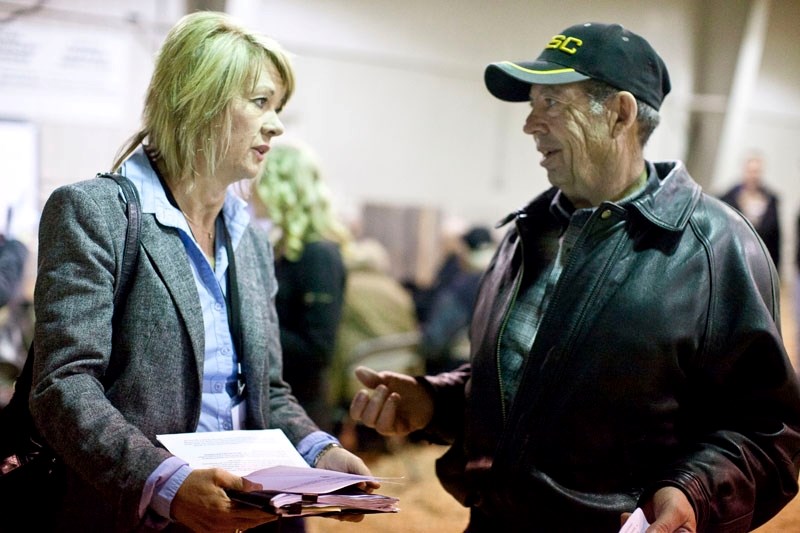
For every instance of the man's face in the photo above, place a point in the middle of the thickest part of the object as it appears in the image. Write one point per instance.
(574, 138)
(753, 168)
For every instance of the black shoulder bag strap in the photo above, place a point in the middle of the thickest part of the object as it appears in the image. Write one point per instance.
(17, 407)
(130, 253)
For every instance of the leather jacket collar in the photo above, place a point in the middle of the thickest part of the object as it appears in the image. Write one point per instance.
(669, 206)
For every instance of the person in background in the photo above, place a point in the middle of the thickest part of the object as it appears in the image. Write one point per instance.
(625, 346)
(197, 347)
(758, 204)
(452, 300)
(309, 241)
(13, 255)
(797, 290)
(376, 306)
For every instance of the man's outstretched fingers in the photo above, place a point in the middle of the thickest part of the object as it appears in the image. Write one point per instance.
(387, 419)
(368, 377)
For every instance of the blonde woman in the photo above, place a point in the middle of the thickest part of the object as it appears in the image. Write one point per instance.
(180, 361)
(309, 241)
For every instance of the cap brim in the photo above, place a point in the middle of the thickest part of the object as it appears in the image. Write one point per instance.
(512, 81)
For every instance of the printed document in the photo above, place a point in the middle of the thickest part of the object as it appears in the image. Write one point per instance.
(239, 452)
(288, 486)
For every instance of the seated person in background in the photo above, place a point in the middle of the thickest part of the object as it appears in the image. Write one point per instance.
(376, 305)
(443, 342)
(13, 254)
(12, 261)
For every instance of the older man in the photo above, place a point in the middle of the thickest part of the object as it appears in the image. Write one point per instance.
(625, 342)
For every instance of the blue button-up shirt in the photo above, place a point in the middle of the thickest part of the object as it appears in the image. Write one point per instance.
(220, 399)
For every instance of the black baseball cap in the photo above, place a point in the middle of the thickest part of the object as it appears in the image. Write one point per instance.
(605, 52)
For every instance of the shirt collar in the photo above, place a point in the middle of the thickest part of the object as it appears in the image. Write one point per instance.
(562, 208)
(154, 200)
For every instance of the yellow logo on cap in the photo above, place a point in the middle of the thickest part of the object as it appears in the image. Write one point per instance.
(563, 43)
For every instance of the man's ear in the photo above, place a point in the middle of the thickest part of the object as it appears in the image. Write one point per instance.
(627, 109)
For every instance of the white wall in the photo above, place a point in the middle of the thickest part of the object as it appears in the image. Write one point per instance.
(391, 94)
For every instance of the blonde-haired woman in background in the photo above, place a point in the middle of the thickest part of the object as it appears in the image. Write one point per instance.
(197, 346)
(309, 242)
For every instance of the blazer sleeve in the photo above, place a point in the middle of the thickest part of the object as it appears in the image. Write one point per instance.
(80, 250)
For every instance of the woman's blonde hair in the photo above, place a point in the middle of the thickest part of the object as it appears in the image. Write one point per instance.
(206, 60)
(297, 201)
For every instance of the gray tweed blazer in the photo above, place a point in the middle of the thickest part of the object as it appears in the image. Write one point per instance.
(99, 397)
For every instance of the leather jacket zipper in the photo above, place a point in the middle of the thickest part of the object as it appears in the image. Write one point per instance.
(554, 374)
(506, 317)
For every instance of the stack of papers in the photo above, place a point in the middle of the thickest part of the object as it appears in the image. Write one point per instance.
(289, 490)
(286, 484)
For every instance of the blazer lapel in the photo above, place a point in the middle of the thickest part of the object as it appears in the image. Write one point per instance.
(161, 244)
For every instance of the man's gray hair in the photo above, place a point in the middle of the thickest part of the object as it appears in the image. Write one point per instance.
(647, 117)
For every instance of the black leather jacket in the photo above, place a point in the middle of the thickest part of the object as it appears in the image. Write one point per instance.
(658, 362)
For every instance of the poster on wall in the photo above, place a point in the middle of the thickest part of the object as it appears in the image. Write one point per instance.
(71, 74)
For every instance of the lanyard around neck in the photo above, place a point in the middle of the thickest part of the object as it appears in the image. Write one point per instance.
(233, 302)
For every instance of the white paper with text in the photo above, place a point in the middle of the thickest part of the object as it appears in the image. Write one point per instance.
(239, 452)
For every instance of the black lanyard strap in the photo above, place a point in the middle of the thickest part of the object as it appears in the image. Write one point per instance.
(232, 287)
(233, 303)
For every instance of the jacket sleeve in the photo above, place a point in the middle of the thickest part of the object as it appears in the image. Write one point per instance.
(740, 465)
(80, 249)
(448, 392)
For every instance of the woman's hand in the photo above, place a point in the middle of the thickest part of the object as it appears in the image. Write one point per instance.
(202, 505)
(339, 459)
